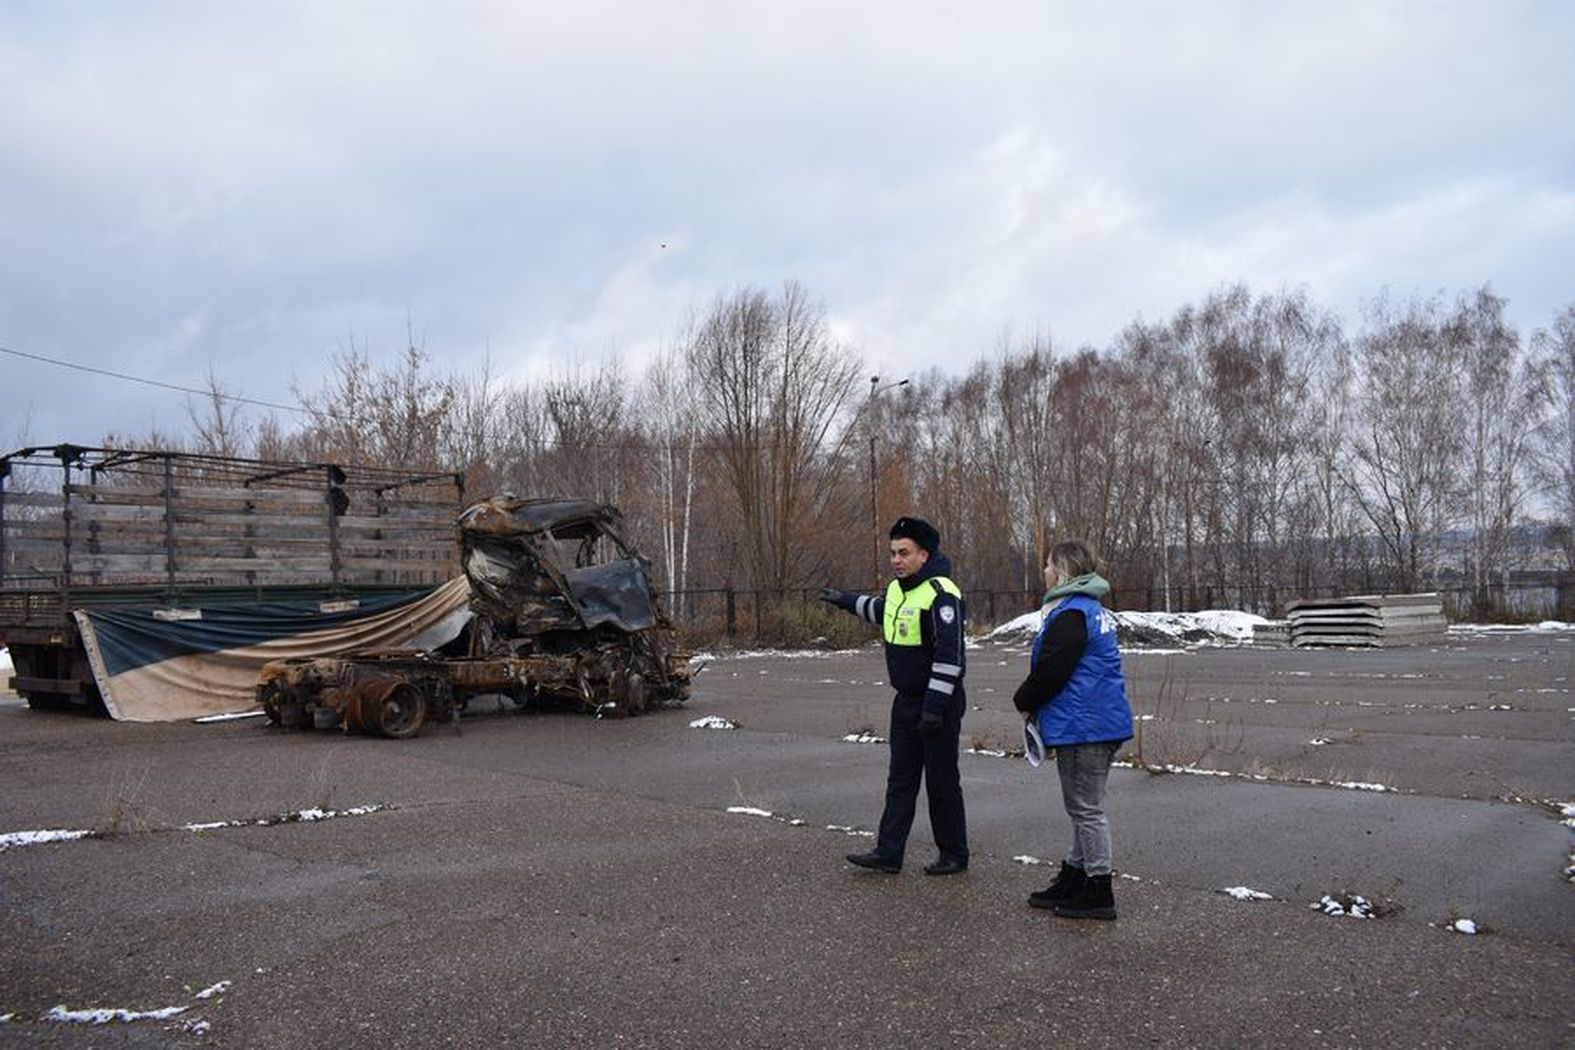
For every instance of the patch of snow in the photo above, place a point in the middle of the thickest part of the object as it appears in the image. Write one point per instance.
(1229, 622)
(230, 716)
(105, 1016)
(1319, 741)
(1244, 893)
(195, 1027)
(212, 990)
(1463, 926)
(848, 829)
(34, 838)
(1545, 627)
(1028, 623)
(783, 654)
(756, 811)
(986, 752)
(303, 816)
(864, 738)
(712, 722)
(1256, 777)
(1356, 906)
(1026, 859)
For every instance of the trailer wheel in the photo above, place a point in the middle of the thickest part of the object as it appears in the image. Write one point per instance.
(399, 711)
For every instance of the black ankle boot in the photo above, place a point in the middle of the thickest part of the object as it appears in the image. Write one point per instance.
(1067, 882)
(1093, 900)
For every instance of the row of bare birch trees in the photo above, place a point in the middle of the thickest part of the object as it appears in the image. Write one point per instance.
(1243, 452)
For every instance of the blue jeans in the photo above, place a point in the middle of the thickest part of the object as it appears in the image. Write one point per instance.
(1084, 768)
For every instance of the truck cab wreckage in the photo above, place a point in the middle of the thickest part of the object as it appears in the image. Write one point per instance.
(561, 612)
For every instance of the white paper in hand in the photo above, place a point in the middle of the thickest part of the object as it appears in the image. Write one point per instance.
(1033, 746)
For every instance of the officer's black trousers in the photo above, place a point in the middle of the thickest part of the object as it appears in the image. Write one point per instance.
(934, 759)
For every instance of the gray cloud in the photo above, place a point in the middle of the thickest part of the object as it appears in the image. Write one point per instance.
(243, 186)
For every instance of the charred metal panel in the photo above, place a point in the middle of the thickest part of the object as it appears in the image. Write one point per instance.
(617, 593)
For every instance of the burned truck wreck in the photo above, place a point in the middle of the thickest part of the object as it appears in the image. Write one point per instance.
(561, 612)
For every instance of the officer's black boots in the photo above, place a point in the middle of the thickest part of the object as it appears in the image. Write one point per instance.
(1067, 882)
(946, 866)
(875, 862)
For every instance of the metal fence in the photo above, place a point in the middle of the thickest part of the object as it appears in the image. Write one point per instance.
(793, 616)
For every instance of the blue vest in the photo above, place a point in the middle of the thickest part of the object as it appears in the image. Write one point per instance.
(1092, 707)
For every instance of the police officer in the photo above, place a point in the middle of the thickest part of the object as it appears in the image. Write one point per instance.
(921, 619)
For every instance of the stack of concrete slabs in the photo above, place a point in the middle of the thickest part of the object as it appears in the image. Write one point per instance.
(1374, 620)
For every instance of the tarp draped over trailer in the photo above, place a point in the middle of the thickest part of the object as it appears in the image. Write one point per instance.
(162, 665)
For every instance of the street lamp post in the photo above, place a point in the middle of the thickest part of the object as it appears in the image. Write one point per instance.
(869, 426)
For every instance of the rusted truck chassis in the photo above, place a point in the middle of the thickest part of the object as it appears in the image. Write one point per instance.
(562, 612)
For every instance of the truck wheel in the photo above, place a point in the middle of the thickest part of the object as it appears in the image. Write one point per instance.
(400, 711)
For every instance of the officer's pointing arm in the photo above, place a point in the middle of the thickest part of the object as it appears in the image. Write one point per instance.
(866, 607)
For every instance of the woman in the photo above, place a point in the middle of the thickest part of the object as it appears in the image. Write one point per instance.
(1076, 694)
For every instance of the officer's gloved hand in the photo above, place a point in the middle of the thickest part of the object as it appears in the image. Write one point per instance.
(832, 596)
(930, 722)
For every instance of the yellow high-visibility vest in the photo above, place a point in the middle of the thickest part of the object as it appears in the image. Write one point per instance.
(900, 625)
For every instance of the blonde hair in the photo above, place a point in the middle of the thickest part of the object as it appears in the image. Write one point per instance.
(1074, 558)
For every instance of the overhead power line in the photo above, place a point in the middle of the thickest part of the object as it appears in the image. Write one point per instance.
(150, 382)
(544, 443)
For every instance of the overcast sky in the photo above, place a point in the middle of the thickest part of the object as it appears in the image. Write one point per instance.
(245, 187)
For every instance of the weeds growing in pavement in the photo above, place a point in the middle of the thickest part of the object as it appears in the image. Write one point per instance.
(320, 785)
(125, 810)
(860, 723)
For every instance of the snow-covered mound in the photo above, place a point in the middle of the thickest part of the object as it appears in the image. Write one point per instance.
(1157, 629)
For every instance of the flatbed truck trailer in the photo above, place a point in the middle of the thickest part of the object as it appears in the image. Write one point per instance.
(100, 528)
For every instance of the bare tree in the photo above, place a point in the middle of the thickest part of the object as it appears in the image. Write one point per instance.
(770, 382)
(220, 431)
(1025, 392)
(471, 430)
(1502, 395)
(672, 430)
(520, 441)
(592, 437)
(1405, 452)
(1554, 464)
(396, 417)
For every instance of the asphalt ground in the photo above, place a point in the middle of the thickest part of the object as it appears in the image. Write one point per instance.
(553, 880)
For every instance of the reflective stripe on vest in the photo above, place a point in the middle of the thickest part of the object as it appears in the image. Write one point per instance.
(903, 608)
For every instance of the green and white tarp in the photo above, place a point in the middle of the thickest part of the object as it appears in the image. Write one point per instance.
(163, 665)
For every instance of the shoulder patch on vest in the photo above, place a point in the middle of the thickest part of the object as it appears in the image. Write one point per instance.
(947, 614)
